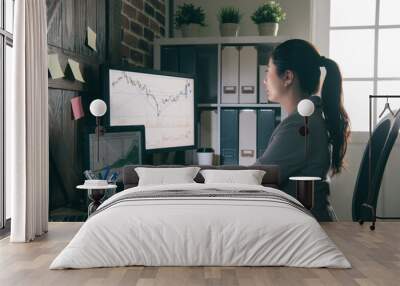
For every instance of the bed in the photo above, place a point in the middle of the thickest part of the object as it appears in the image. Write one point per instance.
(198, 224)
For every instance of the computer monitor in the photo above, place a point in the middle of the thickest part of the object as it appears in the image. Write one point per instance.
(163, 102)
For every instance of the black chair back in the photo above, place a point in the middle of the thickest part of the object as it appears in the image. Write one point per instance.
(382, 162)
(360, 195)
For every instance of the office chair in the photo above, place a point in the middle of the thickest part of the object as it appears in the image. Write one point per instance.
(360, 195)
(372, 199)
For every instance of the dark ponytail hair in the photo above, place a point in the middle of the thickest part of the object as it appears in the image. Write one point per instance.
(303, 59)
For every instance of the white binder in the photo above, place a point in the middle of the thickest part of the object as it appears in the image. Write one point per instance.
(230, 74)
(262, 93)
(247, 137)
(248, 75)
(209, 129)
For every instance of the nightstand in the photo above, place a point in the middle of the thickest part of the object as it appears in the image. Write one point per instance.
(96, 195)
(305, 190)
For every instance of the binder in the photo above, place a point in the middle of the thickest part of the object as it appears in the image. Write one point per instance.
(230, 75)
(209, 129)
(207, 73)
(265, 127)
(170, 59)
(262, 93)
(248, 75)
(229, 136)
(247, 136)
(187, 62)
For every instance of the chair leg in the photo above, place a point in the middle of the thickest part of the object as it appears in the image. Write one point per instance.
(372, 226)
(373, 212)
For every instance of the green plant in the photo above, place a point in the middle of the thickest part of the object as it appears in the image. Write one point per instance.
(189, 14)
(229, 15)
(270, 12)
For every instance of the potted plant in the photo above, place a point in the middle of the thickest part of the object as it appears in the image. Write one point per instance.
(267, 17)
(189, 19)
(205, 156)
(229, 18)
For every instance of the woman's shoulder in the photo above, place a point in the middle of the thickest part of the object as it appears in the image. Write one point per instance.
(295, 119)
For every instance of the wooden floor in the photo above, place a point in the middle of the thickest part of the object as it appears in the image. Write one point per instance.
(375, 257)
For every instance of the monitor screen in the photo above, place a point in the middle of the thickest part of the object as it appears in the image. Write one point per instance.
(162, 102)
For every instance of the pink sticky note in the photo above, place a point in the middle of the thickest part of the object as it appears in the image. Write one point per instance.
(77, 108)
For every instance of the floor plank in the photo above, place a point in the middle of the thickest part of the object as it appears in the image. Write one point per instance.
(375, 257)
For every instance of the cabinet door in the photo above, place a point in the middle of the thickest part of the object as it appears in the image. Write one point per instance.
(170, 59)
(207, 73)
(187, 59)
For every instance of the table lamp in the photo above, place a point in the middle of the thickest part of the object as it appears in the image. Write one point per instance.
(305, 184)
(98, 108)
(306, 109)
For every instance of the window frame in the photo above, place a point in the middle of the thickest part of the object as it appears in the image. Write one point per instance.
(6, 39)
(375, 78)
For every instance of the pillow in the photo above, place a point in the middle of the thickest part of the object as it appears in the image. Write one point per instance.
(163, 176)
(249, 177)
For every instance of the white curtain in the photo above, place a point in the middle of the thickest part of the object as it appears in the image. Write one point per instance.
(27, 124)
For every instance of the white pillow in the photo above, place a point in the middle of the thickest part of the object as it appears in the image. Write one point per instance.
(249, 177)
(164, 176)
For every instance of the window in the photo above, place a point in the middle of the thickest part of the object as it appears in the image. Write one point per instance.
(366, 47)
(8, 72)
(6, 65)
(9, 15)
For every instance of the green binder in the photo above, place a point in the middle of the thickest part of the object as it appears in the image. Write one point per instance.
(229, 136)
(265, 127)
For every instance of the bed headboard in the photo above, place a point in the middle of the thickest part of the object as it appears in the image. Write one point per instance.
(271, 178)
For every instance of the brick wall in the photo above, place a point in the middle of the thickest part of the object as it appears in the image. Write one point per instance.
(142, 21)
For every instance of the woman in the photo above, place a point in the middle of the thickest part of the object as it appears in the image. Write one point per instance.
(293, 74)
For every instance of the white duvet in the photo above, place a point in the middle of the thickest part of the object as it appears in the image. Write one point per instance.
(200, 231)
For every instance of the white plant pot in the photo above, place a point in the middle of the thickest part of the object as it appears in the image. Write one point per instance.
(229, 29)
(191, 30)
(205, 156)
(268, 29)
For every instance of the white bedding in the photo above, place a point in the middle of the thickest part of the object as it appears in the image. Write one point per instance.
(200, 231)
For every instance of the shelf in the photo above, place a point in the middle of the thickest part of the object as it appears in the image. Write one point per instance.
(207, 105)
(240, 105)
(247, 40)
(210, 109)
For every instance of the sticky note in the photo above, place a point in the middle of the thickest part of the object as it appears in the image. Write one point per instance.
(54, 66)
(76, 70)
(77, 108)
(91, 38)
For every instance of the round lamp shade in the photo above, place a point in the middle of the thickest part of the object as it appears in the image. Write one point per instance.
(98, 107)
(305, 107)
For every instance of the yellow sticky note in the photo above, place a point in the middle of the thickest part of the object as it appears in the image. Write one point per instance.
(76, 70)
(54, 66)
(91, 38)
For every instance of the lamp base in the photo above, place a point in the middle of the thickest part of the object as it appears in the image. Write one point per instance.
(305, 193)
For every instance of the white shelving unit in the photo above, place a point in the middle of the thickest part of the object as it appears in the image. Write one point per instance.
(219, 42)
